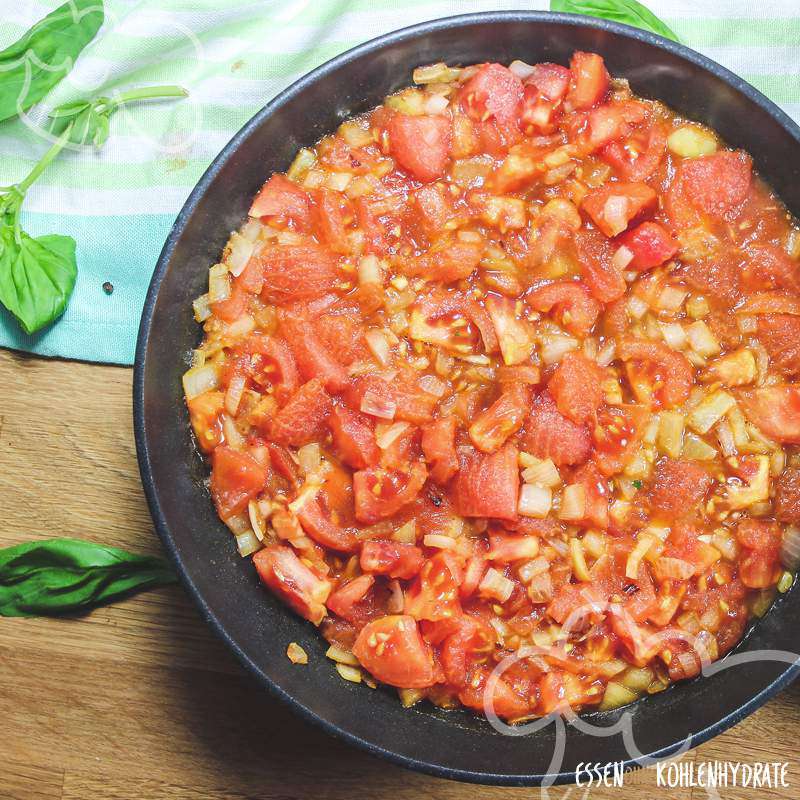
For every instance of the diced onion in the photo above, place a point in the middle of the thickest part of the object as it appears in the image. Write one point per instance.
(697, 307)
(616, 695)
(379, 346)
(247, 543)
(643, 544)
(530, 569)
(386, 436)
(430, 384)
(202, 311)
(701, 339)
(296, 654)
(436, 104)
(233, 395)
(241, 326)
(496, 586)
(369, 271)
(256, 520)
(554, 348)
(606, 353)
(407, 534)
(233, 438)
(352, 674)
(435, 73)
(674, 335)
(338, 181)
(726, 440)
(709, 411)
(697, 449)
(200, 379)
(615, 213)
(670, 433)
(439, 541)
(341, 656)
(219, 283)
(668, 568)
(579, 567)
(691, 141)
(309, 457)
(304, 159)
(240, 251)
(534, 501)
(671, 298)
(573, 503)
(377, 406)
(637, 307)
(790, 548)
(521, 69)
(621, 258)
(542, 472)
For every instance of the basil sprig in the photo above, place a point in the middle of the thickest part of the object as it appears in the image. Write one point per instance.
(35, 63)
(628, 11)
(56, 576)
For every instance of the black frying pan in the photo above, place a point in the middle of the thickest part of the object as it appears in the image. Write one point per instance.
(452, 744)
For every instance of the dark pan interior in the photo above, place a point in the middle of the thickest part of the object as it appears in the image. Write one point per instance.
(450, 744)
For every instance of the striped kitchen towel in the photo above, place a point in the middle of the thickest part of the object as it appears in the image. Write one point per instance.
(234, 56)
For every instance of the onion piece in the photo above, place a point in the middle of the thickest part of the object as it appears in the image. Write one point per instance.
(198, 380)
(377, 406)
(240, 251)
(790, 548)
(233, 396)
(554, 348)
(534, 501)
(573, 503)
(341, 656)
(379, 346)
(201, 308)
(495, 585)
(369, 271)
(219, 283)
(439, 541)
(615, 213)
(436, 104)
(521, 69)
(309, 458)
(247, 543)
(621, 258)
(430, 384)
(396, 602)
(386, 436)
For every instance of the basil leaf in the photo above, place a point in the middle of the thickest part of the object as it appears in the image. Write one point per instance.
(628, 11)
(60, 575)
(37, 276)
(35, 63)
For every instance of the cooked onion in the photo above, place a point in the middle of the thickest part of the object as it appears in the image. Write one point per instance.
(790, 548)
(573, 503)
(534, 501)
(432, 385)
(615, 213)
(239, 255)
(521, 69)
(379, 346)
(436, 104)
(247, 543)
(622, 258)
(200, 379)
(233, 396)
(496, 586)
(377, 406)
(386, 436)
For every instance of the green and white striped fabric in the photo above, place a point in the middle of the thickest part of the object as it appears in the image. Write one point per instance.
(234, 56)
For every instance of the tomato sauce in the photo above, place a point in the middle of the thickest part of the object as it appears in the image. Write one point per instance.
(508, 363)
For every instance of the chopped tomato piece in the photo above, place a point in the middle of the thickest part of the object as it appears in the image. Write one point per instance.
(233, 306)
(503, 418)
(301, 420)
(488, 484)
(393, 651)
(301, 587)
(330, 220)
(757, 534)
(345, 597)
(774, 410)
(571, 302)
(438, 447)
(319, 525)
(381, 493)
(780, 335)
(282, 462)
(613, 121)
(615, 205)
(279, 197)
(204, 414)
(638, 158)
(589, 80)
(651, 245)
(434, 204)
(515, 336)
(657, 374)
(601, 272)
(236, 478)
(433, 594)
(395, 559)
(272, 364)
(506, 700)
(410, 403)
(446, 262)
(494, 92)
(718, 182)
(353, 437)
(471, 642)
(577, 387)
(297, 272)
(551, 80)
(421, 145)
(787, 496)
(313, 359)
(769, 266)
(758, 571)
(617, 435)
(549, 434)
(679, 487)
(596, 493)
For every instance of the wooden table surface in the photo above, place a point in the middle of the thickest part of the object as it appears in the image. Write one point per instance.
(139, 699)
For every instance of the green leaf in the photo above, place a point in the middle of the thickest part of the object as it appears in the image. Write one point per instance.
(60, 575)
(35, 63)
(628, 11)
(37, 276)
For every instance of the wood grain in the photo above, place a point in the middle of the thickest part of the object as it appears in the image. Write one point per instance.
(139, 699)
